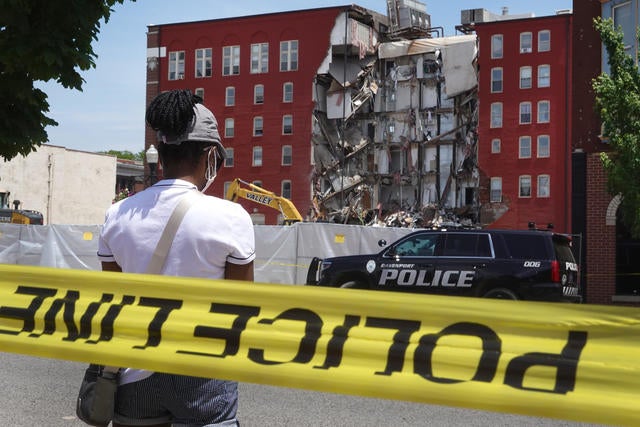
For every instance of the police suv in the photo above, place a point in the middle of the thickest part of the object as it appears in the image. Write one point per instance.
(508, 264)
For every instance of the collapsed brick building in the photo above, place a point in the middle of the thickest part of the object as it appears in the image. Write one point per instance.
(394, 130)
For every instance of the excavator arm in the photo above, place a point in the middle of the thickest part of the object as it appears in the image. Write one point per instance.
(246, 190)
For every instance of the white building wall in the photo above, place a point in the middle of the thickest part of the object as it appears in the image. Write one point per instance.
(66, 186)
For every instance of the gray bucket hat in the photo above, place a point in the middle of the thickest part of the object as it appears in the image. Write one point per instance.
(203, 128)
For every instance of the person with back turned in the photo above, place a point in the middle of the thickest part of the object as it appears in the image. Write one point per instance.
(214, 240)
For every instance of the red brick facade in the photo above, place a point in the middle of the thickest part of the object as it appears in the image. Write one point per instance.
(600, 237)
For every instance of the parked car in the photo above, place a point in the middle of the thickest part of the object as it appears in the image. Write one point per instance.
(507, 264)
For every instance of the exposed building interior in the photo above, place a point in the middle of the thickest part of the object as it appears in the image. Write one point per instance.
(395, 122)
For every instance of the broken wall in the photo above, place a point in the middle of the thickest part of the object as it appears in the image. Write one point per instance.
(398, 133)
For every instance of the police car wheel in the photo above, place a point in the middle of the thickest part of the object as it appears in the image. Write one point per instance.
(501, 293)
(352, 284)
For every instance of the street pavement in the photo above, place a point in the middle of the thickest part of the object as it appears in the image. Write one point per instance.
(40, 392)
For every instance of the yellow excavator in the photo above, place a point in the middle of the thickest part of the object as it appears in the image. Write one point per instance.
(246, 190)
(20, 216)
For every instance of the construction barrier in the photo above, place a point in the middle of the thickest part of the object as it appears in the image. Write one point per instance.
(567, 361)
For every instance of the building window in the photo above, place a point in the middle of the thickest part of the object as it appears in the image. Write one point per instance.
(230, 96)
(544, 41)
(287, 124)
(199, 92)
(544, 146)
(231, 60)
(286, 189)
(496, 80)
(287, 92)
(524, 147)
(526, 42)
(544, 186)
(623, 17)
(496, 115)
(525, 77)
(524, 186)
(257, 156)
(227, 184)
(496, 46)
(258, 94)
(496, 189)
(544, 75)
(228, 161)
(543, 112)
(495, 145)
(203, 62)
(257, 126)
(176, 65)
(257, 183)
(289, 55)
(259, 58)
(525, 113)
(287, 155)
(229, 128)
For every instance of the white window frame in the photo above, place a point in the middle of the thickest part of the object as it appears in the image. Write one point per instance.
(496, 83)
(496, 145)
(287, 155)
(199, 92)
(544, 113)
(231, 60)
(497, 46)
(258, 94)
(526, 82)
(283, 191)
(543, 149)
(287, 124)
(229, 127)
(496, 115)
(229, 96)
(524, 116)
(522, 179)
(524, 147)
(256, 156)
(229, 159)
(259, 58)
(258, 126)
(204, 63)
(289, 55)
(629, 34)
(287, 92)
(544, 43)
(526, 42)
(543, 189)
(176, 65)
(495, 191)
(544, 80)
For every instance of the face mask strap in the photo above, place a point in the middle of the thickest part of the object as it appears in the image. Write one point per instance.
(211, 173)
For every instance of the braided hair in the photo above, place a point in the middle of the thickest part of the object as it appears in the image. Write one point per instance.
(171, 113)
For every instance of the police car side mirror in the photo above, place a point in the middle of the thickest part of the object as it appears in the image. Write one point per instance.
(382, 243)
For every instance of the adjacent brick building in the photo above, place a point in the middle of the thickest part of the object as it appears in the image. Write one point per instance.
(595, 209)
(524, 154)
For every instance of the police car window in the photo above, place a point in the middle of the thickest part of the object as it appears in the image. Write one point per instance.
(420, 245)
(467, 245)
(459, 245)
(526, 246)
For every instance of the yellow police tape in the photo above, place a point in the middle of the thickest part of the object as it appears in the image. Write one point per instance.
(567, 361)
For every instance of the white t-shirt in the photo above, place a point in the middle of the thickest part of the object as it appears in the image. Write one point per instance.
(213, 232)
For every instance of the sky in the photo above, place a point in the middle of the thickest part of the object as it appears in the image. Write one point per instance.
(109, 112)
